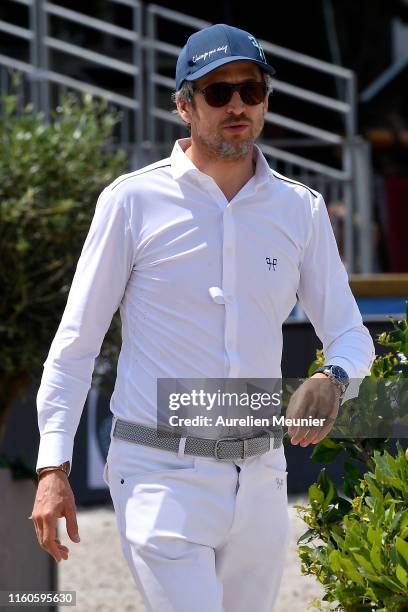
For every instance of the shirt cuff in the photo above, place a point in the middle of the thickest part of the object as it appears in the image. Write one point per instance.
(352, 370)
(55, 448)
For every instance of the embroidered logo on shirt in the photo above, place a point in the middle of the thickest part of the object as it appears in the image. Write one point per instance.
(272, 263)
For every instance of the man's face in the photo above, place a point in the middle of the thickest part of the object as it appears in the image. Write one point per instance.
(212, 128)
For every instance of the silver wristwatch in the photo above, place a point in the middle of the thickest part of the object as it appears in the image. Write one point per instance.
(337, 375)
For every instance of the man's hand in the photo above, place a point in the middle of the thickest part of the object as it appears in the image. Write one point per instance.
(54, 499)
(318, 397)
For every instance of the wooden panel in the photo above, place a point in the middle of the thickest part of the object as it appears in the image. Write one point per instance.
(379, 285)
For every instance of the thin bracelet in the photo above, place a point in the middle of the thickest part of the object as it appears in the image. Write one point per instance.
(52, 469)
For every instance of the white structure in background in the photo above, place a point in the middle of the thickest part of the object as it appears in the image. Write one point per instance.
(148, 127)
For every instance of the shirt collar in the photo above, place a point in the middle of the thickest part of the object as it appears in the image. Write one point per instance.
(181, 164)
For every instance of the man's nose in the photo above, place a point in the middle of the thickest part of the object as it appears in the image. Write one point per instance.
(235, 104)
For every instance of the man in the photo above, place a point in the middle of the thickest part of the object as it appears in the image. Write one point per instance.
(205, 253)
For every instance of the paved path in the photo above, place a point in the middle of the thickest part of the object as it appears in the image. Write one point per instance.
(97, 571)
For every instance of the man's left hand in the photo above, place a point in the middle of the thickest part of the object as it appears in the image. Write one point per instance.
(318, 397)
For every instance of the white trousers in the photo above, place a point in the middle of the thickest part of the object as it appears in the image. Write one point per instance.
(197, 533)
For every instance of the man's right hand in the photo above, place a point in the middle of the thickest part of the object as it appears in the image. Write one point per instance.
(54, 499)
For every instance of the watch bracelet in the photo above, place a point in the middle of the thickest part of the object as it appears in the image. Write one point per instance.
(334, 380)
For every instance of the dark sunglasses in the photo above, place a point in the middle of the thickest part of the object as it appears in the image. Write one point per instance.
(219, 94)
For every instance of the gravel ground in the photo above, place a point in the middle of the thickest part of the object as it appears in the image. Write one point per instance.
(97, 570)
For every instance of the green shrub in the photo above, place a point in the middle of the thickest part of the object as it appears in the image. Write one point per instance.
(51, 174)
(357, 544)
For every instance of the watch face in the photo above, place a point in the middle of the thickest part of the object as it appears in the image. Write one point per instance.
(338, 371)
(340, 374)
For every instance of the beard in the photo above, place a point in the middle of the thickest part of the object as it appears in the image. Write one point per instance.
(230, 150)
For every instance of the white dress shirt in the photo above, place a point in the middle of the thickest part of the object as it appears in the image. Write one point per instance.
(203, 286)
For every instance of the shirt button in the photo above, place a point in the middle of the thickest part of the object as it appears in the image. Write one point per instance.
(228, 250)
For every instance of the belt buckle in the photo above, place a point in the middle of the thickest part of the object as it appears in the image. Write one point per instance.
(216, 449)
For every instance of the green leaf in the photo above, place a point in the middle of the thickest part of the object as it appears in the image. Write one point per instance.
(327, 487)
(402, 549)
(335, 561)
(402, 575)
(352, 470)
(364, 563)
(307, 536)
(375, 556)
(374, 536)
(326, 451)
(351, 570)
(404, 519)
(316, 496)
(391, 584)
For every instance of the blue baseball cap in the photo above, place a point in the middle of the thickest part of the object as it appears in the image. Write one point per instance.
(215, 46)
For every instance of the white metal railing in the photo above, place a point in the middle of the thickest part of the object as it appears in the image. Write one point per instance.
(149, 127)
(46, 84)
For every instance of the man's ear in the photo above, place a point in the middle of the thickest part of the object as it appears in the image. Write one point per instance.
(184, 110)
(266, 102)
